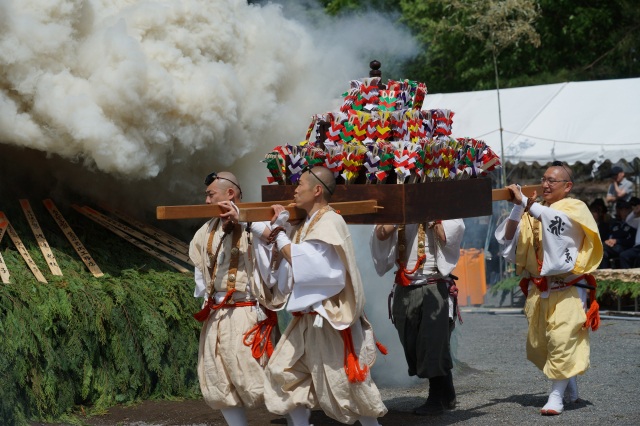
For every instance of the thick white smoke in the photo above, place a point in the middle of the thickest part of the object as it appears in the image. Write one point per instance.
(132, 103)
(133, 87)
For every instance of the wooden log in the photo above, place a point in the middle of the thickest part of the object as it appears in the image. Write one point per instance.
(259, 212)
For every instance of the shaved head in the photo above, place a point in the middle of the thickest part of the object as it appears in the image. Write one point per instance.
(222, 186)
(324, 177)
(228, 180)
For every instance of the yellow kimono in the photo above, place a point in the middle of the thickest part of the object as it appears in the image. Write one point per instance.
(568, 246)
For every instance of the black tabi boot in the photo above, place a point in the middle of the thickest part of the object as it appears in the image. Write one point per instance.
(433, 405)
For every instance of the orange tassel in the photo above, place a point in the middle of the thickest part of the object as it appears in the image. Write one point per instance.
(355, 373)
(259, 337)
(593, 316)
(382, 348)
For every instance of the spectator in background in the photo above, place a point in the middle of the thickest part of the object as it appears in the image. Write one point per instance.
(621, 235)
(620, 188)
(599, 211)
(630, 258)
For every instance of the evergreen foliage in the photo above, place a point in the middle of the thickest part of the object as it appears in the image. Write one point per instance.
(86, 343)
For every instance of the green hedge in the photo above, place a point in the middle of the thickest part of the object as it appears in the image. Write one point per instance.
(95, 343)
(83, 344)
(605, 287)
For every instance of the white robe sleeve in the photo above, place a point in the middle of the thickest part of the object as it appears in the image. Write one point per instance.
(201, 288)
(448, 253)
(561, 240)
(507, 247)
(318, 274)
(383, 252)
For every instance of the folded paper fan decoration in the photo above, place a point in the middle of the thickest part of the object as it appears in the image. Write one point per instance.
(380, 134)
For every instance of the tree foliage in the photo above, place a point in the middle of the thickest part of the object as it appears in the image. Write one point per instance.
(578, 40)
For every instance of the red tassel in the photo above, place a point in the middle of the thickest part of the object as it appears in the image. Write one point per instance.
(524, 286)
(401, 278)
(382, 348)
(204, 313)
(401, 273)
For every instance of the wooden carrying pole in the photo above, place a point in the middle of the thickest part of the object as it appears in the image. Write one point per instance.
(503, 193)
(369, 204)
(259, 212)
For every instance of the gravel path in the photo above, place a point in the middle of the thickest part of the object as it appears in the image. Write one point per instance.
(495, 383)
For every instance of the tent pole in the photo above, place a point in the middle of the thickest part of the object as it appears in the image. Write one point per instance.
(503, 170)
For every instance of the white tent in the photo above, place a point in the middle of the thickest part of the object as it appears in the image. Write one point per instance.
(571, 122)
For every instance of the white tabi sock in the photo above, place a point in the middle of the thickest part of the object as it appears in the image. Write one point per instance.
(554, 405)
(571, 393)
(299, 416)
(235, 416)
(368, 421)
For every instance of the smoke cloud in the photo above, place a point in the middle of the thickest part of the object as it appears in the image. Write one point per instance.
(131, 88)
(131, 103)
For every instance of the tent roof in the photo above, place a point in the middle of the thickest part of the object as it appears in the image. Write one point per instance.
(571, 122)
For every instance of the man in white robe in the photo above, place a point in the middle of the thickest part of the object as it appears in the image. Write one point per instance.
(424, 307)
(230, 360)
(323, 357)
(555, 246)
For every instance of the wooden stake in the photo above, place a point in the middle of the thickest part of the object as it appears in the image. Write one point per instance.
(4, 271)
(260, 212)
(98, 219)
(124, 228)
(73, 239)
(23, 250)
(156, 233)
(40, 238)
